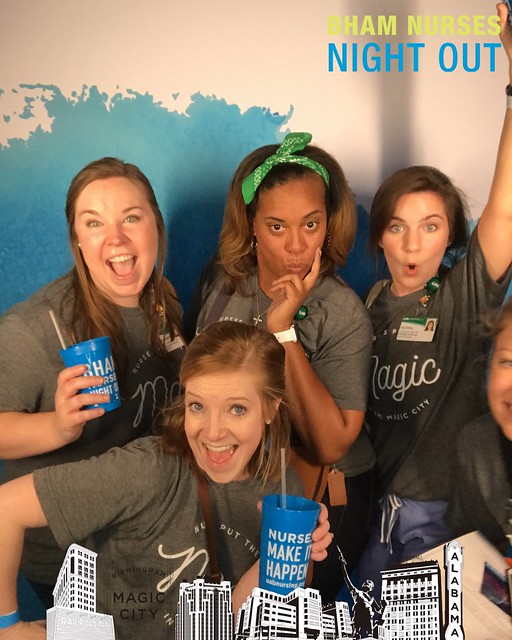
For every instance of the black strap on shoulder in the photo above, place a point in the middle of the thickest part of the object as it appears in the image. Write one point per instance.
(204, 498)
(374, 292)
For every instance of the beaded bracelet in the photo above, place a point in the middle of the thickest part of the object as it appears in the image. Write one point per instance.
(9, 619)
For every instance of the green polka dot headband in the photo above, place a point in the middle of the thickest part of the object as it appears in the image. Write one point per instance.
(292, 143)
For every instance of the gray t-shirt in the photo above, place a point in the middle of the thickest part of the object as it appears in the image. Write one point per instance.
(139, 509)
(29, 365)
(423, 393)
(336, 337)
(483, 488)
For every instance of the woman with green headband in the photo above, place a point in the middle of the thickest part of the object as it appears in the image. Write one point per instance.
(289, 222)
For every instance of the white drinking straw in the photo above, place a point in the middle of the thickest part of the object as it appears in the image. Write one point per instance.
(57, 329)
(283, 478)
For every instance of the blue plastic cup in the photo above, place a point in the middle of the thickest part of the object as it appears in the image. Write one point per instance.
(97, 355)
(286, 539)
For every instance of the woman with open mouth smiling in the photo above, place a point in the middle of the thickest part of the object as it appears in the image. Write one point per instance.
(428, 352)
(140, 507)
(117, 289)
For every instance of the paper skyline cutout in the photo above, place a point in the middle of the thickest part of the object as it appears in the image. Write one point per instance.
(410, 606)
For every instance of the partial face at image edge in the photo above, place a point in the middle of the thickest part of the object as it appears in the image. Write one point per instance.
(499, 388)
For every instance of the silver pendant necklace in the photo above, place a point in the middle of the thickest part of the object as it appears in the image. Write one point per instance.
(258, 319)
(259, 316)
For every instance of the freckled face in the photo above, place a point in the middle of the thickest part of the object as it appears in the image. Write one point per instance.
(415, 240)
(224, 423)
(290, 223)
(499, 390)
(116, 228)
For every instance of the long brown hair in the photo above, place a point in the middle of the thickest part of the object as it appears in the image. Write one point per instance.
(229, 347)
(93, 314)
(236, 234)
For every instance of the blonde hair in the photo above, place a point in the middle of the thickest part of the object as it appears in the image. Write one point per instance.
(236, 234)
(228, 347)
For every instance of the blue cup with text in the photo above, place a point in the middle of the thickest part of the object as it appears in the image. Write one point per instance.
(286, 539)
(96, 354)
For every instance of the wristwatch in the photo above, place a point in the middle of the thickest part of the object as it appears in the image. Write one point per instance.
(286, 336)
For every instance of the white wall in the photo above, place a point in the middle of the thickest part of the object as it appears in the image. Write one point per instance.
(268, 54)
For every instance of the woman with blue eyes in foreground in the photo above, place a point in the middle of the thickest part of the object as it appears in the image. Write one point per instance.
(425, 385)
(138, 506)
(116, 288)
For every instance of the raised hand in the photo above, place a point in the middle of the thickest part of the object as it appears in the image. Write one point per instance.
(506, 31)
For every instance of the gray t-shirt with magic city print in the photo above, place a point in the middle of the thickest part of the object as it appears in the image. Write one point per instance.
(139, 509)
(423, 393)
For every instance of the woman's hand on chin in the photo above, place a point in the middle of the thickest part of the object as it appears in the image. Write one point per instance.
(289, 292)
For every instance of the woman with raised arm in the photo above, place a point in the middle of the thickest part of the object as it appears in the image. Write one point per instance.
(426, 385)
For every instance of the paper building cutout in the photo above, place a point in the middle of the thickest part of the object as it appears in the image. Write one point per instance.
(204, 611)
(453, 562)
(74, 616)
(272, 615)
(414, 606)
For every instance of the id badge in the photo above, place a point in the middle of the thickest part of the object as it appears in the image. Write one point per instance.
(417, 329)
(171, 345)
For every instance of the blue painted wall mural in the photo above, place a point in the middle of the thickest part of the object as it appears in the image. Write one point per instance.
(188, 157)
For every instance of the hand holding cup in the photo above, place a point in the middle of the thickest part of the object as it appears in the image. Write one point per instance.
(322, 537)
(70, 415)
(286, 545)
(87, 388)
